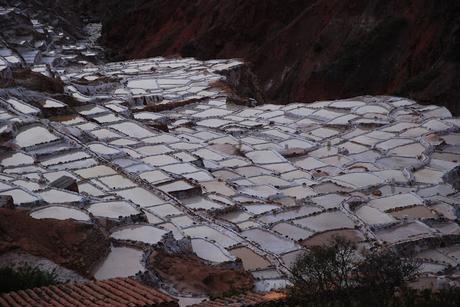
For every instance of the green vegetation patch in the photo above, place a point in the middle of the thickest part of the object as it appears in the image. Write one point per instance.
(25, 277)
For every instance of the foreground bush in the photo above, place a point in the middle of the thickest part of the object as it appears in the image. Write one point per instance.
(25, 277)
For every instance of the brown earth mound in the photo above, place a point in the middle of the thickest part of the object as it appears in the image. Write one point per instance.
(77, 246)
(34, 81)
(305, 50)
(188, 273)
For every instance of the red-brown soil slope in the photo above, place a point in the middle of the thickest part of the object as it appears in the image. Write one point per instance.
(188, 273)
(305, 49)
(74, 245)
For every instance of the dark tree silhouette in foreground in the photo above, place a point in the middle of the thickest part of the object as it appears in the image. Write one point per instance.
(337, 275)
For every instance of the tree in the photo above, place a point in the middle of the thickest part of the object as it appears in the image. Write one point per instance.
(382, 272)
(324, 269)
(336, 275)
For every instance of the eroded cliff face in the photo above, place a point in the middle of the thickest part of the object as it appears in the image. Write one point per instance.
(305, 50)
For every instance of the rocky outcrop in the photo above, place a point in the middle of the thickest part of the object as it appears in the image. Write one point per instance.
(453, 178)
(305, 50)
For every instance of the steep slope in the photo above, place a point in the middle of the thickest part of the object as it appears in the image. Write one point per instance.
(305, 50)
(74, 245)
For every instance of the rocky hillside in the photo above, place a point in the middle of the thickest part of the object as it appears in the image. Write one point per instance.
(305, 50)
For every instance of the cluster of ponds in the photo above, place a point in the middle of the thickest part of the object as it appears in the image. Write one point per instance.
(40, 45)
(155, 138)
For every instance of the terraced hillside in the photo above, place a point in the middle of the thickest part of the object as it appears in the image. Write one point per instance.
(176, 168)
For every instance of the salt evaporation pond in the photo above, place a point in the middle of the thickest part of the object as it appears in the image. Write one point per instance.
(209, 251)
(54, 196)
(16, 159)
(201, 203)
(117, 182)
(20, 197)
(326, 221)
(269, 241)
(23, 107)
(373, 216)
(142, 233)
(140, 197)
(51, 103)
(291, 231)
(34, 136)
(60, 213)
(251, 260)
(121, 262)
(113, 209)
(207, 232)
(146, 84)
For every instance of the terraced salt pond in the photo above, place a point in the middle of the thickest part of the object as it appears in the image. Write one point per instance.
(17, 159)
(60, 213)
(209, 251)
(54, 196)
(261, 183)
(405, 232)
(33, 136)
(251, 260)
(146, 84)
(121, 262)
(202, 203)
(20, 197)
(23, 107)
(140, 197)
(209, 233)
(113, 209)
(293, 232)
(326, 221)
(142, 233)
(373, 216)
(269, 241)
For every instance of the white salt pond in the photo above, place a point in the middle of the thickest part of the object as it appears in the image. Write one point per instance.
(60, 213)
(54, 196)
(165, 210)
(132, 130)
(23, 107)
(292, 232)
(96, 171)
(140, 197)
(113, 209)
(20, 197)
(121, 262)
(209, 251)
(201, 203)
(17, 159)
(146, 84)
(410, 231)
(373, 216)
(269, 241)
(289, 214)
(52, 103)
(326, 221)
(33, 136)
(142, 233)
(117, 182)
(396, 201)
(209, 233)
(103, 149)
